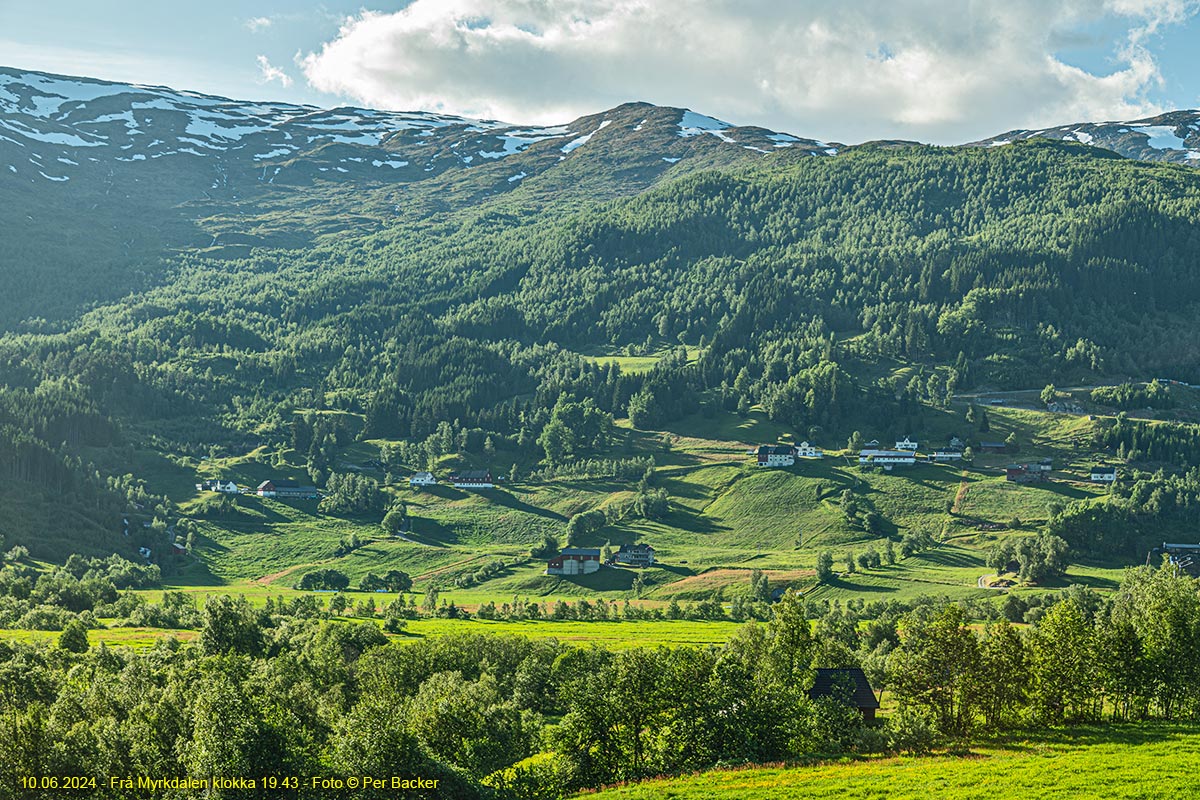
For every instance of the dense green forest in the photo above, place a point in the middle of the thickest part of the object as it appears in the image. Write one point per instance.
(281, 691)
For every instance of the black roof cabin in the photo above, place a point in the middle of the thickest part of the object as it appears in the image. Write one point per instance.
(834, 682)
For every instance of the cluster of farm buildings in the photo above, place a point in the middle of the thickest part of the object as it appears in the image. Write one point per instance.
(468, 479)
(268, 488)
(906, 452)
(586, 560)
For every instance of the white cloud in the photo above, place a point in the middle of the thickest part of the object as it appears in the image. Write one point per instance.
(839, 69)
(259, 23)
(268, 72)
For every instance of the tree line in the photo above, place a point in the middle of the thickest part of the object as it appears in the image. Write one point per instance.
(280, 690)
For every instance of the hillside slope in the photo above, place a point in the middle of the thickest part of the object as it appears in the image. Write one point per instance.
(102, 180)
(373, 320)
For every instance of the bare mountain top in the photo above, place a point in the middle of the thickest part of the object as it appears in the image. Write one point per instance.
(1172, 137)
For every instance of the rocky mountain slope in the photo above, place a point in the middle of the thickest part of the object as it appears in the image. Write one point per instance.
(1173, 137)
(55, 128)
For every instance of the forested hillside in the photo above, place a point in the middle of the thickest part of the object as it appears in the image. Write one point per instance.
(463, 314)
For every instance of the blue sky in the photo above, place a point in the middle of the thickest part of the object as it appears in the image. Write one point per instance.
(845, 70)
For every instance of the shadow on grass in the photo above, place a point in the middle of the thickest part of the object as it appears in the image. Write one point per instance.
(442, 490)
(606, 580)
(195, 573)
(430, 532)
(840, 582)
(692, 521)
(1123, 733)
(1090, 581)
(674, 569)
(949, 558)
(1062, 489)
(503, 498)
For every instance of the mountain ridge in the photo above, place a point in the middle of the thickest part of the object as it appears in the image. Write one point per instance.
(1173, 136)
(155, 171)
(218, 124)
(79, 115)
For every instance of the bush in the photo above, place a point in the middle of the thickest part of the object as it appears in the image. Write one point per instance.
(544, 776)
(833, 725)
(74, 637)
(323, 579)
(909, 732)
(872, 740)
(45, 618)
(825, 567)
(547, 548)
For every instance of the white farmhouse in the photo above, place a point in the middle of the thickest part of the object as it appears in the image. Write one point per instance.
(776, 455)
(806, 450)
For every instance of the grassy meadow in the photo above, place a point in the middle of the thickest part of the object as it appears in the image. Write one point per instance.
(611, 635)
(1147, 762)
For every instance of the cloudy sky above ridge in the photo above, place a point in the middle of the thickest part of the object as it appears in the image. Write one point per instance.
(849, 70)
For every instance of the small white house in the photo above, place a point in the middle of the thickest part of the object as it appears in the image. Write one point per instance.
(806, 450)
(1101, 474)
(422, 479)
(907, 444)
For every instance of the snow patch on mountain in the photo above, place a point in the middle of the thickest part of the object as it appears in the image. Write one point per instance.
(575, 144)
(1161, 137)
(693, 124)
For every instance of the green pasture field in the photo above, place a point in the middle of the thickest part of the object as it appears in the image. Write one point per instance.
(1147, 761)
(637, 364)
(611, 635)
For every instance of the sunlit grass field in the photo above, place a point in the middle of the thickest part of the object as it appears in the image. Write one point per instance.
(1147, 762)
(611, 635)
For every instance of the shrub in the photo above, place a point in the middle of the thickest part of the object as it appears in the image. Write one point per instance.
(909, 732)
